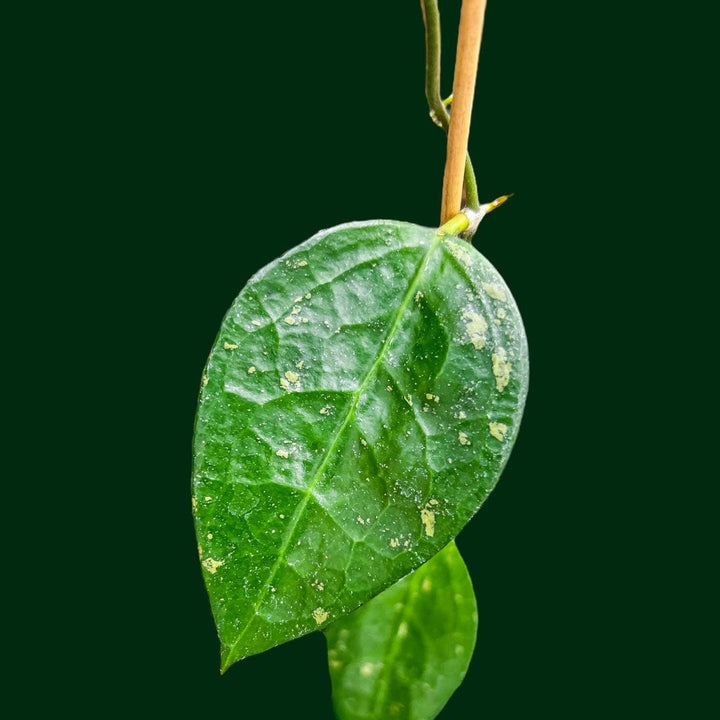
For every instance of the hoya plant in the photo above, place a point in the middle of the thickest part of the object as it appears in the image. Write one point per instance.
(357, 408)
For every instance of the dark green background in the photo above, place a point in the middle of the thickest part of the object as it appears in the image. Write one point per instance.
(172, 152)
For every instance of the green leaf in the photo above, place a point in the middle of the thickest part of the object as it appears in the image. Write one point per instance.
(406, 652)
(358, 406)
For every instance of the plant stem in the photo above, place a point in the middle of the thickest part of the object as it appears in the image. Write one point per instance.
(471, 192)
(455, 225)
(472, 17)
(438, 107)
(431, 18)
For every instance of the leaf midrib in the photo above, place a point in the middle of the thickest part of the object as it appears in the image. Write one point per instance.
(325, 460)
(393, 649)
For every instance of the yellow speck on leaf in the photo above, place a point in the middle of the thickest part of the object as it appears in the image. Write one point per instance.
(463, 438)
(207, 498)
(461, 415)
(426, 584)
(282, 453)
(497, 292)
(428, 520)
(204, 380)
(320, 615)
(230, 346)
(284, 384)
(402, 630)
(501, 368)
(293, 377)
(363, 442)
(290, 320)
(212, 565)
(394, 542)
(296, 310)
(476, 327)
(257, 323)
(251, 369)
(302, 263)
(459, 252)
(408, 399)
(299, 364)
(308, 296)
(498, 430)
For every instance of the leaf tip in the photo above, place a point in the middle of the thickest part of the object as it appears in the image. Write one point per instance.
(227, 658)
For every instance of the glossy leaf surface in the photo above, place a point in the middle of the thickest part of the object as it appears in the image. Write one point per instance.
(404, 653)
(358, 406)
